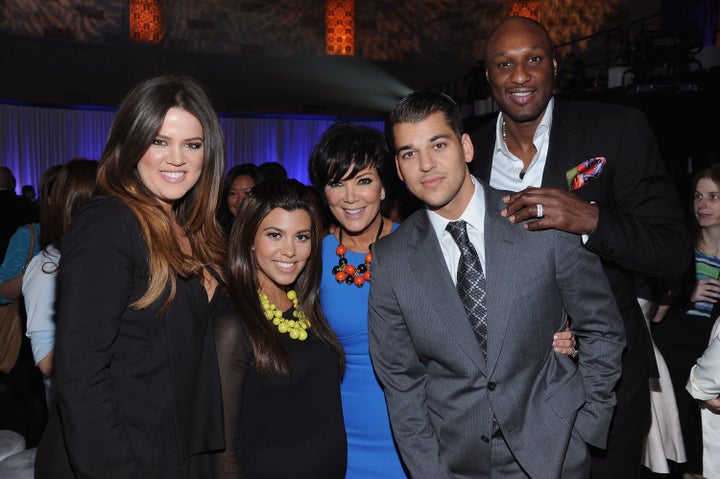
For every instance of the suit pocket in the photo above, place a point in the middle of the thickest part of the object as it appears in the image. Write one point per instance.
(566, 392)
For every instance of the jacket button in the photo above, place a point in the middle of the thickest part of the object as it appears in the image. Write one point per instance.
(491, 386)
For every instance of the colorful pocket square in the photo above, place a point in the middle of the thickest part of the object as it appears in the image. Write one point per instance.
(585, 172)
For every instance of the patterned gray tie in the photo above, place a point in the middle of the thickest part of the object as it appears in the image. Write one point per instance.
(470, 281)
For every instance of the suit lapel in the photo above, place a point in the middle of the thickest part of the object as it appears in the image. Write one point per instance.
(500, 270)
(439, 288)
(484, 143)
(562, 154)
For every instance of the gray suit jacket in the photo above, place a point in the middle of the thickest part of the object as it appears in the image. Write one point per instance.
(440, 390)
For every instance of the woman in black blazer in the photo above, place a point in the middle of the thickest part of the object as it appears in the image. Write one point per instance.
(135, 366)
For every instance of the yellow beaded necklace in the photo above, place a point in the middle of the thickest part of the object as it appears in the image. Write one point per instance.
(295, 329)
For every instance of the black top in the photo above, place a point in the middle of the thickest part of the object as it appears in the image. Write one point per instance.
(278, 427)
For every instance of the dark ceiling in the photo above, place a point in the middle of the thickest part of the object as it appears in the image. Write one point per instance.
(263, 57)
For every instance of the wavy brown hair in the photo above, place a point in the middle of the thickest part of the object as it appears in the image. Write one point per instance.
(136, 125)
(75, 185)
(290, 195)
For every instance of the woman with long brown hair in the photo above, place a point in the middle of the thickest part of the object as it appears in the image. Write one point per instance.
(280, 361)
(138, 391)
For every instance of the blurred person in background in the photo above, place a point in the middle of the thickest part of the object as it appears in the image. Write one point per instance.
(239, 180)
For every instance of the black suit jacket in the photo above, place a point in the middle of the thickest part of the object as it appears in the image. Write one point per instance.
(641, 229)
(138, 390)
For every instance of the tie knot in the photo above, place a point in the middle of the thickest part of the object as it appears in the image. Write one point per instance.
(458, 230)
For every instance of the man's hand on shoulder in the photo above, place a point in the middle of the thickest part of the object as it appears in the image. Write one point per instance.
(551, 208)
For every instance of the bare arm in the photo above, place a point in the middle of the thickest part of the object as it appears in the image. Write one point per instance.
(12, 288)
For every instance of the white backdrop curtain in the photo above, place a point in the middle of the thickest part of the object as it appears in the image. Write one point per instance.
(33, 138)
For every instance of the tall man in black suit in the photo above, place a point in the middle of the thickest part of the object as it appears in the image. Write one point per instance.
(594, 170)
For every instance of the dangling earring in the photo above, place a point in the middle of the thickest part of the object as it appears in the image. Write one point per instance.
(382, 195)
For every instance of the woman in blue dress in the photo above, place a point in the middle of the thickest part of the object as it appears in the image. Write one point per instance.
(351, 166)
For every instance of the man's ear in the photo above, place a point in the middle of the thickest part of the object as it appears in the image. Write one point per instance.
(467, 146)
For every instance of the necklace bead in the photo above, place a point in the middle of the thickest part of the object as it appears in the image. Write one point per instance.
(348, 273)
(296, 328)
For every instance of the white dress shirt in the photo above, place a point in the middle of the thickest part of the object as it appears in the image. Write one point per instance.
(474, 216)
(506, 167)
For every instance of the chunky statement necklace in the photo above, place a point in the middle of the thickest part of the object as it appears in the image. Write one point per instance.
(296, 328)
(348, 273)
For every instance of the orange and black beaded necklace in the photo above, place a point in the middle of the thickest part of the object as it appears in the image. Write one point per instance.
(348, 273)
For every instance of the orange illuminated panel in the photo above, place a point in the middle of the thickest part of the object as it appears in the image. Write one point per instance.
(526, 8)
(340, 27)
(146, 21)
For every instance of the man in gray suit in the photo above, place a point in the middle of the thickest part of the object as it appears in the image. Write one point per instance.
(512, 408)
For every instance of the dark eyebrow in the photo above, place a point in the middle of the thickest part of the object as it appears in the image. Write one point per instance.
(431, 140)
(438, 136)
(401, 148)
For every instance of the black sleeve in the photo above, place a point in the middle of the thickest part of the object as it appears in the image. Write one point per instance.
(235, 360)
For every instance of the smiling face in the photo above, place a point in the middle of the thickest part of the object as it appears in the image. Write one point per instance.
(706, 203)
(520, 68)
(172, 164)
(355, 202)
(239, 189)
(282, 247)
(432, 161)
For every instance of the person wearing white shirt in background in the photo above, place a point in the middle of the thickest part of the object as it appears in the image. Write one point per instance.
(704, 385)
(76, 184)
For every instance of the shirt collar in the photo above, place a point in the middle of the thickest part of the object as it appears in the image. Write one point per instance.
(542, 129)
(474, 213)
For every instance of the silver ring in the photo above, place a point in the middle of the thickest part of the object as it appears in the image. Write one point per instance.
(540, 213)
(573, 354)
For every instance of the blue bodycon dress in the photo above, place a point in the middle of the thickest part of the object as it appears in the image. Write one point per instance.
(371, 450)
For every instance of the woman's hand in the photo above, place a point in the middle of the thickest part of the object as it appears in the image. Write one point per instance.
(713, 405)
(564, 342)
(706, 290)
(660, 313)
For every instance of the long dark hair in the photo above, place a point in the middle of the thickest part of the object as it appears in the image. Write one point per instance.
(290, 195)
(47, 236)
(224, 215)
(136, 124)
(74, 185)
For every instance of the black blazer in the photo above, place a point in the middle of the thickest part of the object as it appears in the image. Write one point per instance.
(138, 391)
(641, 229)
